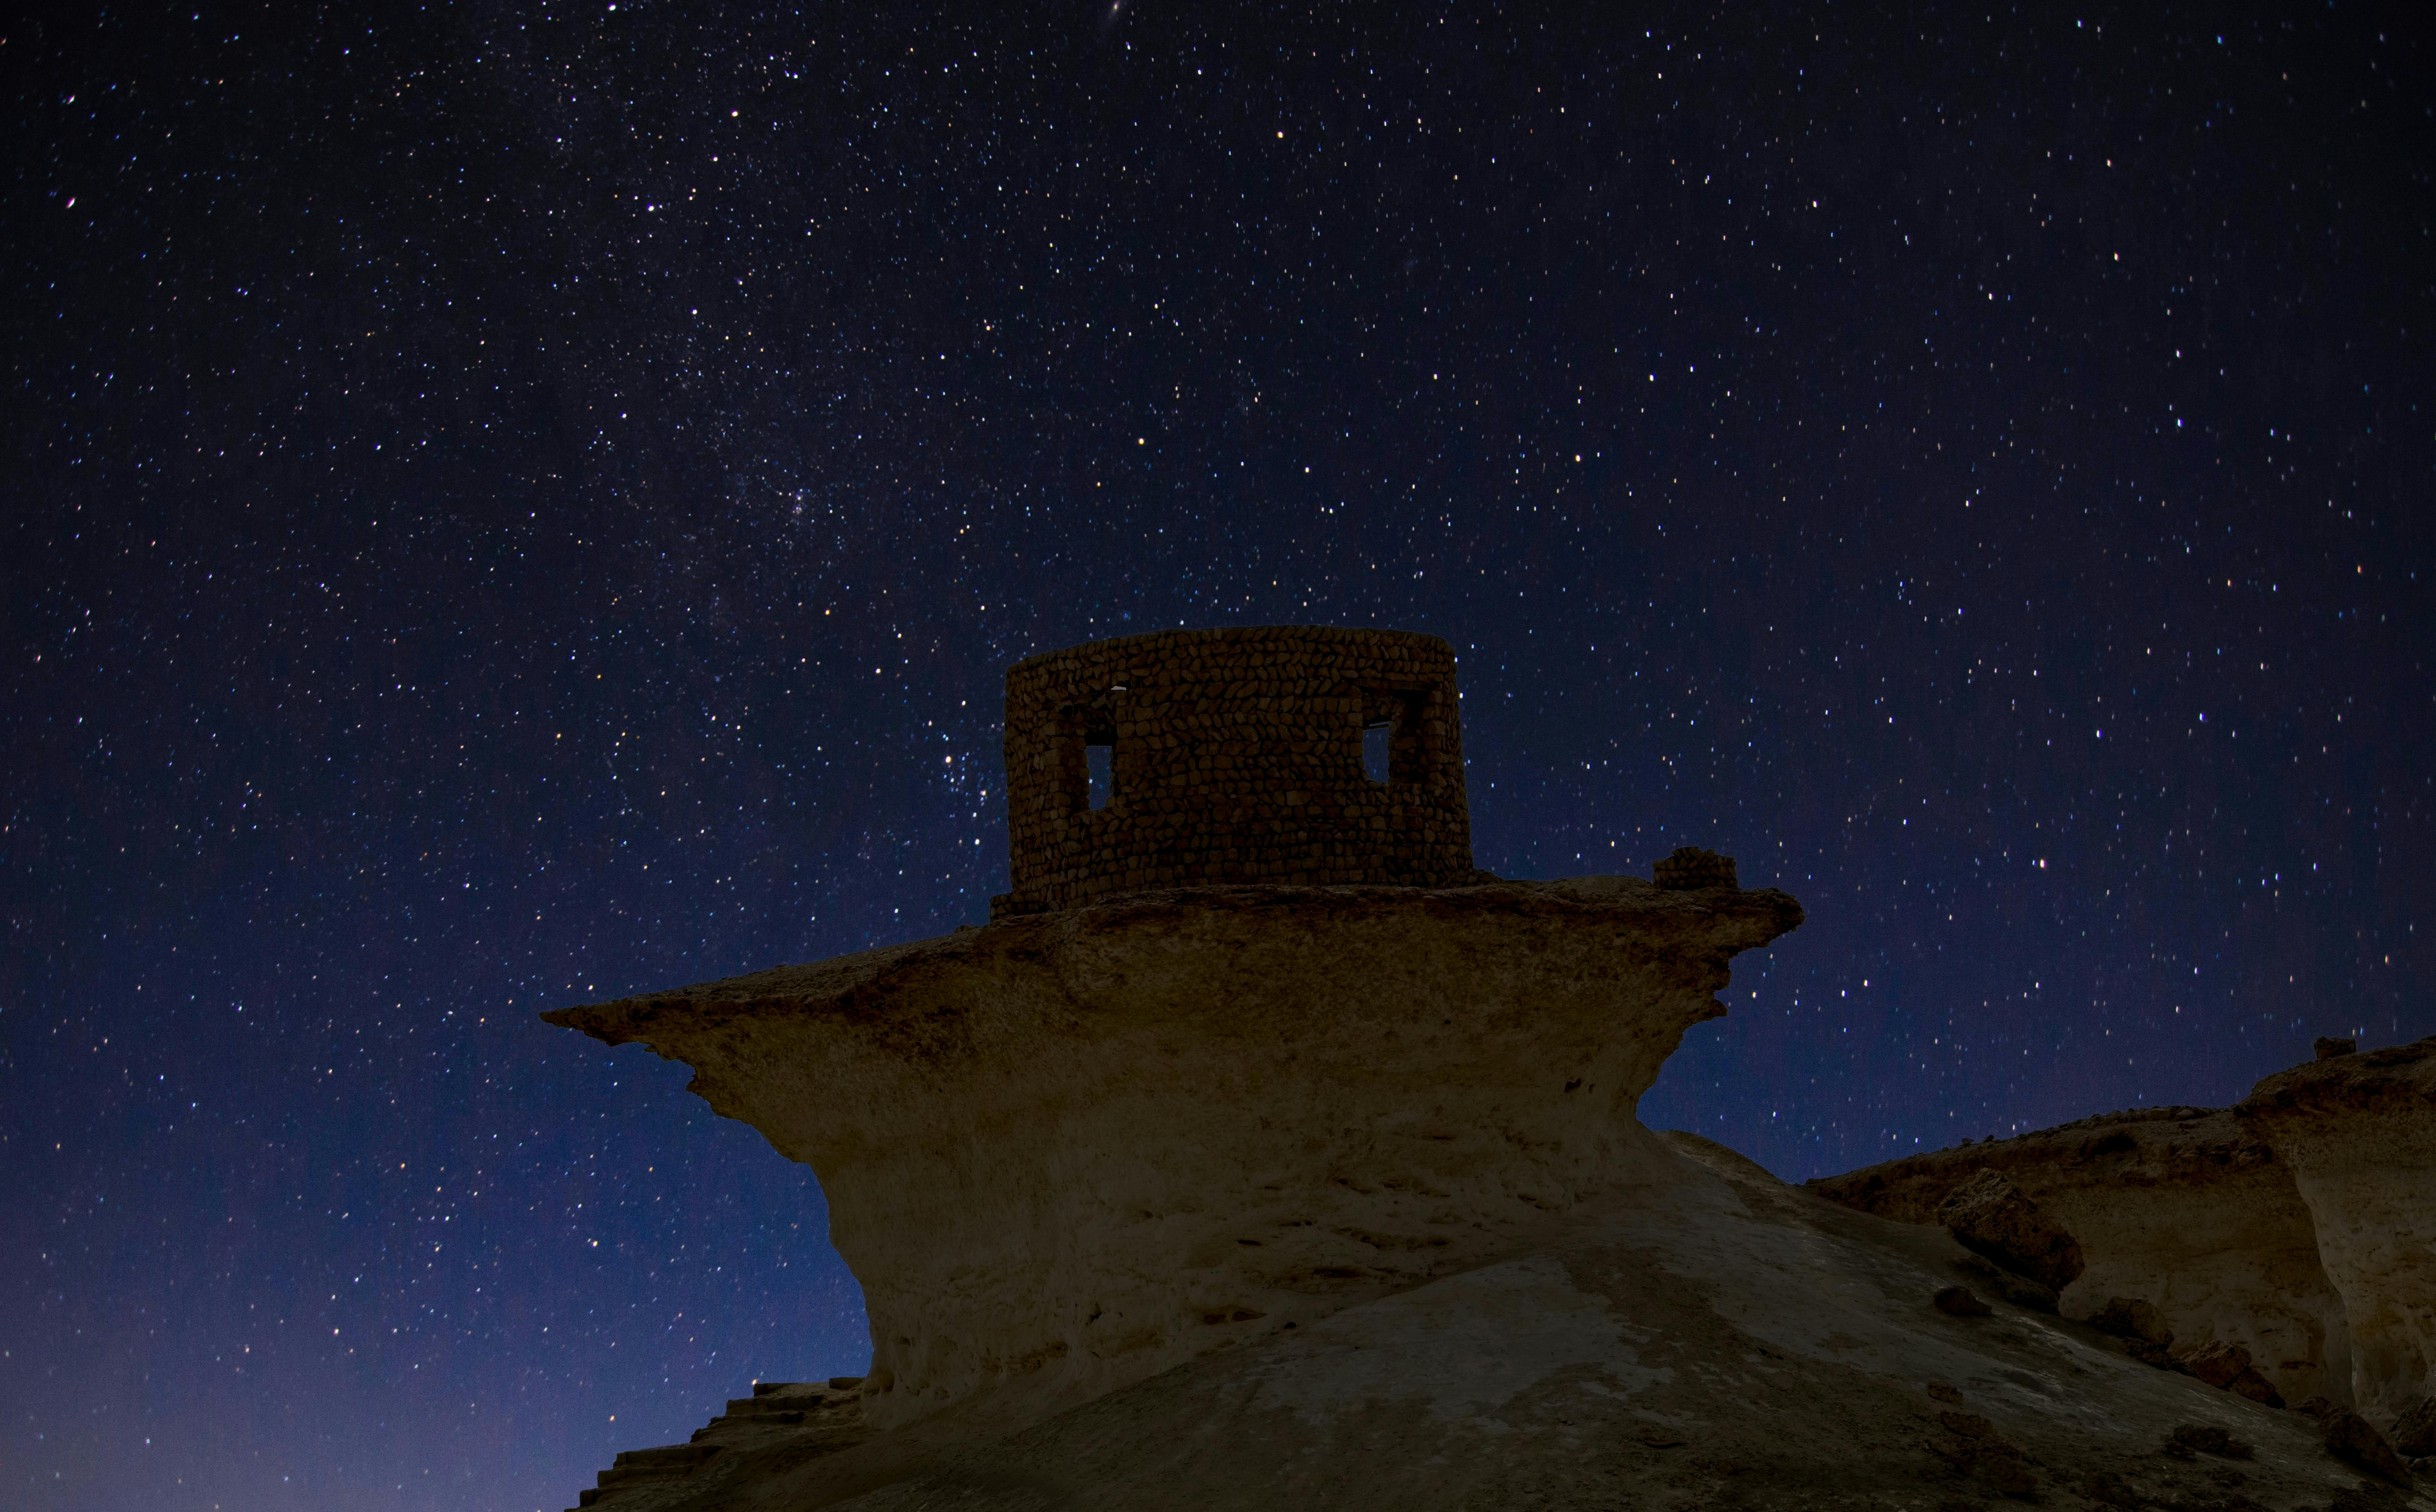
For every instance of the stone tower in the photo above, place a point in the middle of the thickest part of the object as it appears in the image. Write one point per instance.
(1233, 756)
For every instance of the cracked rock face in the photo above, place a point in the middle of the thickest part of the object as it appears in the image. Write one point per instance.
(2358, 1132)
(1067, 1152)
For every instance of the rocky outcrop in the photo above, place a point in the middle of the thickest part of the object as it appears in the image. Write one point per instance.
(1069, 1151)
(1994, 1220)
(2286, 1246)
(2359, 1133)
(1704, 1336)
(2184, 1208)
(1269, 1196)
(1184, 1183)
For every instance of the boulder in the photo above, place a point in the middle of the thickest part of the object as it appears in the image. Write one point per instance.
(2353, 1439)
(2133, 1317)
(1960, 1302)
(2019, 1290)
(2414, 1430)
(2190, 1440)
(1990, 1216)
(2227, 1367)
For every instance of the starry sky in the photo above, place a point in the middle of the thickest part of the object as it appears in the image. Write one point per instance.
(512, 504)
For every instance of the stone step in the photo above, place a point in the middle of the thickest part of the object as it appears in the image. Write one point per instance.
(679, 1457)
(763, 1406)
(774, 1404)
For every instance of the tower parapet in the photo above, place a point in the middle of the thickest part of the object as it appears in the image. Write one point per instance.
(1233, 756)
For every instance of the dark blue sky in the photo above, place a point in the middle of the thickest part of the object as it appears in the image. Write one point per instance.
(512, 505)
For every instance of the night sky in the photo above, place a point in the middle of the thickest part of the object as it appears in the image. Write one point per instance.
(507, 506)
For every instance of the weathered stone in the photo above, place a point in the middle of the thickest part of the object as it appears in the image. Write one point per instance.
(2414, 1430)
(2359, 1134)
(2186, 1207)
(2142, 1329)
(1701, 1305)
(2353, 1439)
(1962, 1302)
(2155, 1356)
(2205, 1438)
(1690, 867)
(2019, 1290)
(2228, 1368)
(2133, 1317)
(2329, 1047)
(1990, 1216)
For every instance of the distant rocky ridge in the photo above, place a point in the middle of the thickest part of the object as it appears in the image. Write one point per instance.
(2284, 1246)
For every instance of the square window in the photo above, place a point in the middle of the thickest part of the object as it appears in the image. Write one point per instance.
(1392, 749)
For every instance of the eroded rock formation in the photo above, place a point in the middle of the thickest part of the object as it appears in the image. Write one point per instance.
(2358, 1134)
(1700, 1336)
(1219, 1196)
(1069, 1151)
(2287, 1245)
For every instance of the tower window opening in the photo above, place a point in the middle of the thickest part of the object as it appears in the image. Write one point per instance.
(1393, 750)
(1099, 759)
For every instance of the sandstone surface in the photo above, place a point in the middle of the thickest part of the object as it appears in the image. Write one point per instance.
(1069, 1151)
(2286, 1246)
(2186, 1208)
(1702, 1336)
(2358, 1134)
(1189, 1183)
(1995, 1221)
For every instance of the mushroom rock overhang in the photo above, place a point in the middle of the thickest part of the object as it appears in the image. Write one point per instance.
(1067, 1151)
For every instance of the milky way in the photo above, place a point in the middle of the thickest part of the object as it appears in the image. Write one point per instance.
(513, 506)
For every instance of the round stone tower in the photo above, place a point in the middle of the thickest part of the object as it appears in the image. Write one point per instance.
(1233, 756)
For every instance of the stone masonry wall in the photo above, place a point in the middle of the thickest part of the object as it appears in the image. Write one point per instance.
(1235, 756)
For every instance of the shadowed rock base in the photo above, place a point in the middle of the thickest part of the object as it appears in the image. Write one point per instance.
(1713, 1339)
